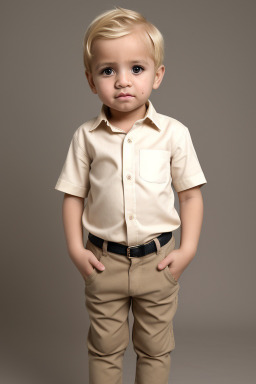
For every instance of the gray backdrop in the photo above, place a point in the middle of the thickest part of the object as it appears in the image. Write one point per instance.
(209, 86)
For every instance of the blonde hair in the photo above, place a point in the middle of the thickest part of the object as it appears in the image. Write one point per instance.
(117, 23)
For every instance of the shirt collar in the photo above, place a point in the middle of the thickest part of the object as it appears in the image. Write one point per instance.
(151, 115)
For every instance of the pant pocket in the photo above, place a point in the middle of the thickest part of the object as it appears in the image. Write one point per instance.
(166, 249)
(98, 254)
(170, 275)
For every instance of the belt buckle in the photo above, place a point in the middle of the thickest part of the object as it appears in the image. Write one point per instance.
(129, 251)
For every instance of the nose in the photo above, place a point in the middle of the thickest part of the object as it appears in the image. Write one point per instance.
(123, 80)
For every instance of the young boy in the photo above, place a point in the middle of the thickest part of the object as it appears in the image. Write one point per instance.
(124, 161)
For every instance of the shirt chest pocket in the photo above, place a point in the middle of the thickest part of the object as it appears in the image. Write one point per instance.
(154, 165)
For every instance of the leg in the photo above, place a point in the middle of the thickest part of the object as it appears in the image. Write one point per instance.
(108, 307)
(154, 306)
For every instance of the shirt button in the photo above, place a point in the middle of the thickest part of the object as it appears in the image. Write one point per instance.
(128, 177)
(131, 217)
(129, 140)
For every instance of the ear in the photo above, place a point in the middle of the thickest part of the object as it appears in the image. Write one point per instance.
(159, 76)
(91, 82)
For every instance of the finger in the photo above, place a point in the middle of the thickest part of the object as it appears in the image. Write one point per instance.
(97, 264)
(166, 261)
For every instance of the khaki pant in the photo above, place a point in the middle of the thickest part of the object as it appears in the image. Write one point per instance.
(153, 297)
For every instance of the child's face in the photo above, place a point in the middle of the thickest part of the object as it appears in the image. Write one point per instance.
(123, 72)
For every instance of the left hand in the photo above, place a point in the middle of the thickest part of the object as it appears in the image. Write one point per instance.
(177, 261)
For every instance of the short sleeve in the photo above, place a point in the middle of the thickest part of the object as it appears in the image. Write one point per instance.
(74, 177)
(186, 171)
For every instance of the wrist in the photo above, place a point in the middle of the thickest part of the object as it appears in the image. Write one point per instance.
(78, 257)
(75, 251)
(188, 251)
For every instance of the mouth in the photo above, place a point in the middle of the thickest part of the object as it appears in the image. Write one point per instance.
(124, 96)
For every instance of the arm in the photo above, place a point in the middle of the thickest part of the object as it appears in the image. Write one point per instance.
(191, 214)
(84, 260)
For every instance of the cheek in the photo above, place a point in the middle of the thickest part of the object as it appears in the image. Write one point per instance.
(99, 87)
(146, 89)
(105, 85)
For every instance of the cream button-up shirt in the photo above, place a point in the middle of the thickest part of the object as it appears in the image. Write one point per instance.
(127, 177)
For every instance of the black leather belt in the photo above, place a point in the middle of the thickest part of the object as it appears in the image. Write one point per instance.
(133, 250)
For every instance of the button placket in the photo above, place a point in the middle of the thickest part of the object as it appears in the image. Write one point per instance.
(129, 188)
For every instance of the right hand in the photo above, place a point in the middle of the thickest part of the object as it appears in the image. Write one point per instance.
(86, 261)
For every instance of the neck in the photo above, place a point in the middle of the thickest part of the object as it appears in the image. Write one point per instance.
(119, 118)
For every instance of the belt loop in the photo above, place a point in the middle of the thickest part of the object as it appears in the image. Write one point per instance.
(105, 247)
(158, 245)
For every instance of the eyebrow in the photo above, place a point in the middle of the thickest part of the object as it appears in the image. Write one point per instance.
(109, 64)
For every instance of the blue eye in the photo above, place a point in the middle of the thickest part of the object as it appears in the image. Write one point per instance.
(107, 71)
(137, 69)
